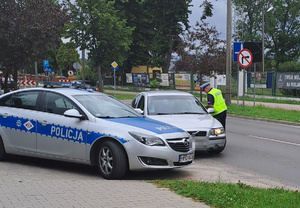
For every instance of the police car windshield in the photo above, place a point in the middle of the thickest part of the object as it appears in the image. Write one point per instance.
(102, 106)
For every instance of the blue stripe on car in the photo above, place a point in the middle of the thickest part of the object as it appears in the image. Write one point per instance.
(148, 124)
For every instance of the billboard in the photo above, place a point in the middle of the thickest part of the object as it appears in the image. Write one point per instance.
(289, 80)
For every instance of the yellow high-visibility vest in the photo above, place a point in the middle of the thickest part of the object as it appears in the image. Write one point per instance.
(219, 103)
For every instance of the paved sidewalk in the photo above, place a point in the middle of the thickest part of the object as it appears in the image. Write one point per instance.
(29, 182)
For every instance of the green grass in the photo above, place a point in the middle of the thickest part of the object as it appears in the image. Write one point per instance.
(122, 96)
(261, 111)
(232, 195)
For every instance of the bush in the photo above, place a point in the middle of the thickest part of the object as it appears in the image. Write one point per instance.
(153, 83)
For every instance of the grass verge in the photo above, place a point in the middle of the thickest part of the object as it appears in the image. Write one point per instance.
(261, 111)
(232, 195)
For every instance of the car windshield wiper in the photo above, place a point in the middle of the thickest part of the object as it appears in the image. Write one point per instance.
(163, 113)
(104, 117)
(189, 113)
(128, 117)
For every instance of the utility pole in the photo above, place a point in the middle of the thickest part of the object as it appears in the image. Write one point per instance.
(228, 54)
(263, 38)
(36, 73)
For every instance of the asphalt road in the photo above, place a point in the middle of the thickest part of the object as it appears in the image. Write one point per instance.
(258, 153)
(265, 148)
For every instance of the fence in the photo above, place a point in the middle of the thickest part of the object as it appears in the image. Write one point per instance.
(260, 83)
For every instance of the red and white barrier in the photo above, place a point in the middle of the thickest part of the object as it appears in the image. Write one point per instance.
(26, 83)
(64, 80)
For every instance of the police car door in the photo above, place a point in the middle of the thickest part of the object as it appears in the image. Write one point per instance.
(58, 135)
(18, 120)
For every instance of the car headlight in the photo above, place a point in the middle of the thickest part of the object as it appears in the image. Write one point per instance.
(147, 139)
(217, 131)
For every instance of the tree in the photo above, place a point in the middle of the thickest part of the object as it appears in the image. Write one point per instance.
(282, 25)
(76, 29)
(283, 36)
(28, 29)
(134, 13)
(108, 35)
(168, 19)
(203, 50)
(66, 56)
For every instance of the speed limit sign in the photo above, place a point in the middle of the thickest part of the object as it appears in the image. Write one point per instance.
(70, 73)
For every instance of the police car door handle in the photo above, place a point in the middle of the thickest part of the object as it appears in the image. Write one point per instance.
(43, 122)
(4, 115)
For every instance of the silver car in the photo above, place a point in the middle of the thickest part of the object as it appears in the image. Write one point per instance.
(88, 127)
(185, 111)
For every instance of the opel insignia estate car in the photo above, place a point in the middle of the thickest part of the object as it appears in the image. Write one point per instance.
(185, 111)
(88, 127)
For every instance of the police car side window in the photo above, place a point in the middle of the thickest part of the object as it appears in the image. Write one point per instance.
(25, 100)
(57, 104)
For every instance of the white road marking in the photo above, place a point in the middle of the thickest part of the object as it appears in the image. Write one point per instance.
(274, 140)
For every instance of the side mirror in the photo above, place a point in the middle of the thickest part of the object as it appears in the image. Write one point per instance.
(139, 111)
(73, 113)
(210, 110)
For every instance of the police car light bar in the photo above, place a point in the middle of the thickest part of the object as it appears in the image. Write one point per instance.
(58, 84)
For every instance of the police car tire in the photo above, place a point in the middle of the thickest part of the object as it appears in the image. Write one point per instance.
(2, 150)
(110, 152)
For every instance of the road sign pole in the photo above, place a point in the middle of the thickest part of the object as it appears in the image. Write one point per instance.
(115, 81)
(114, 66)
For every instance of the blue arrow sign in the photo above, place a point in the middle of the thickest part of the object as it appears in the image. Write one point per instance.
(46, 63)
(237, 47)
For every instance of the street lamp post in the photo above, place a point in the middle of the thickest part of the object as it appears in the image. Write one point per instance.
(263, 36)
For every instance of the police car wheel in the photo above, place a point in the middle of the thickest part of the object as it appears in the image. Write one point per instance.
(2, 150)
(111, 160)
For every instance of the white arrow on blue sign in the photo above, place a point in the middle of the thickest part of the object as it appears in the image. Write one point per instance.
(237, 47)
(46, 63)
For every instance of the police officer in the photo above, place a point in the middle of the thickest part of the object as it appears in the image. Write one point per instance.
(215, 100)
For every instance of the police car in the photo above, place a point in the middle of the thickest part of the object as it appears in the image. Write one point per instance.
(89, 127)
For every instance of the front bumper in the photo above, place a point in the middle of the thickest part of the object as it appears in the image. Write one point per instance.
(209, 142)
(143, 157)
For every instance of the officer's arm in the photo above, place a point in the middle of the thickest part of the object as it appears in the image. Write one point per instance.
(210, 101)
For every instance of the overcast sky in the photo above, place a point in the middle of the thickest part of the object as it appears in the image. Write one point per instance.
(218, 19)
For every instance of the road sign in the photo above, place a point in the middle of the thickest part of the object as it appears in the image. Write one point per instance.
(46, 63)
(114, 66)
(256, 50)
(237, 47)
(76, 66)
(47, 69)
(70, 73)
(245, 58)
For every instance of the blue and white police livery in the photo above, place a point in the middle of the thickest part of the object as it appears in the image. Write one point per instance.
(88, 127)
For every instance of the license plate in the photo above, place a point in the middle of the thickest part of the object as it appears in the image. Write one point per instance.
(186, 158)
